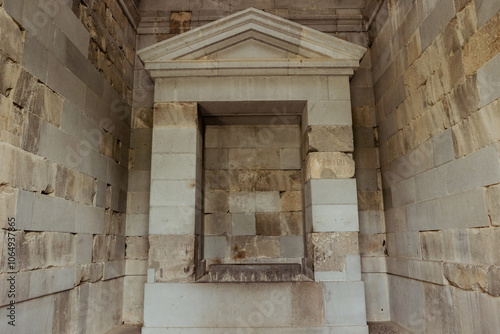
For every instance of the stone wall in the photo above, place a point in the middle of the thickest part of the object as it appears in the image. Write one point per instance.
(64, 137)
(435, 69)
(340, 18)
(253, 198)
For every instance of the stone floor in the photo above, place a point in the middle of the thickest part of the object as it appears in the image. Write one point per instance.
(375, 328)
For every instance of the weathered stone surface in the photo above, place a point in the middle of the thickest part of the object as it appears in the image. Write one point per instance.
(242, 247)
(216, 158)
(432, 245)
(12, 42)
(493, 204)
(328, 139)
(494, 281)
(142, 117)
(372, 244)
(276, 224)
(179, 265)
(176, 114)
(12, 124)
(217, 202)
(46, 104)
(330, 249)
(278, 180)
(250, 158)
(467, 277)
(482, 46)
(328, 165)
(10, 74)
(291, 201)
(218, 224)
(370, 200)
(137, 248)
(307, 304)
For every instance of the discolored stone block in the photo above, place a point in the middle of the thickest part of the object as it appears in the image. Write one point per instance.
(179, 265)
(307, 304)
(279, 180)
(254, 158)
(176, 114)
(328, 139)
(328, 165)
(12, 42)
(291, 201)
(218, 224)
(137, 248)
(329, 250)
(275, 224)
(216, 202)
(467, 277)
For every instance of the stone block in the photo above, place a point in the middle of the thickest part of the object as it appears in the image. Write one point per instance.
(329, 250)
(377, 297)
(481, 168)
(290, 158)
(216, 202)
(372, 244)
(89, 219)
(332, 218)
(173, 193)
(482, 46)
(372, 222)
(277, 136)
(326, 191)
(176, 115)
(328, 113)
(431, 184)
(214, 247)
(258, 158)
(243, 224)
(443, 148)
(241, 202)
(13, 41)
(493, 204)
(266, 299)
(216, 158)
(48, 281)
(328, 165)
(179, 266)
(218, 224)
(166, 140)
(494, 281)
(467, 277)
(307, 304)
(267, 201)
(137, 224)
(113, 269)
(173, 166)
(487, 81)
(292, 246)
(137, 248)
(229, 136)
(322, 138)
(65, 83)
(83, 245)
(138, 202)
(242, 247)
(278, 180)
(11, 72)
(174, 220)
(60, 249)
(53, 214)
(404, 193)
(276, 224)
(291, 201)
(351, 311)
(432, 245)
(486, 9)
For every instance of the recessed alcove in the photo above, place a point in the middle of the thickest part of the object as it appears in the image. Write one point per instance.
(253, 217)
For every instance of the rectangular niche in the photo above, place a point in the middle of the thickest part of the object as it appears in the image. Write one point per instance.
(253, 223)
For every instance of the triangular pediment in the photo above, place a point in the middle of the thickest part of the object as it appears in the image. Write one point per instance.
(252, 36)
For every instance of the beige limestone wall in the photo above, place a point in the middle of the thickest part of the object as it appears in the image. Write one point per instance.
(372, 238)
(252, 194)
(64, 137)
(435, 69)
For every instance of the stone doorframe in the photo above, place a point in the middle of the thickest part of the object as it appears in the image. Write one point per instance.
(252, 56)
